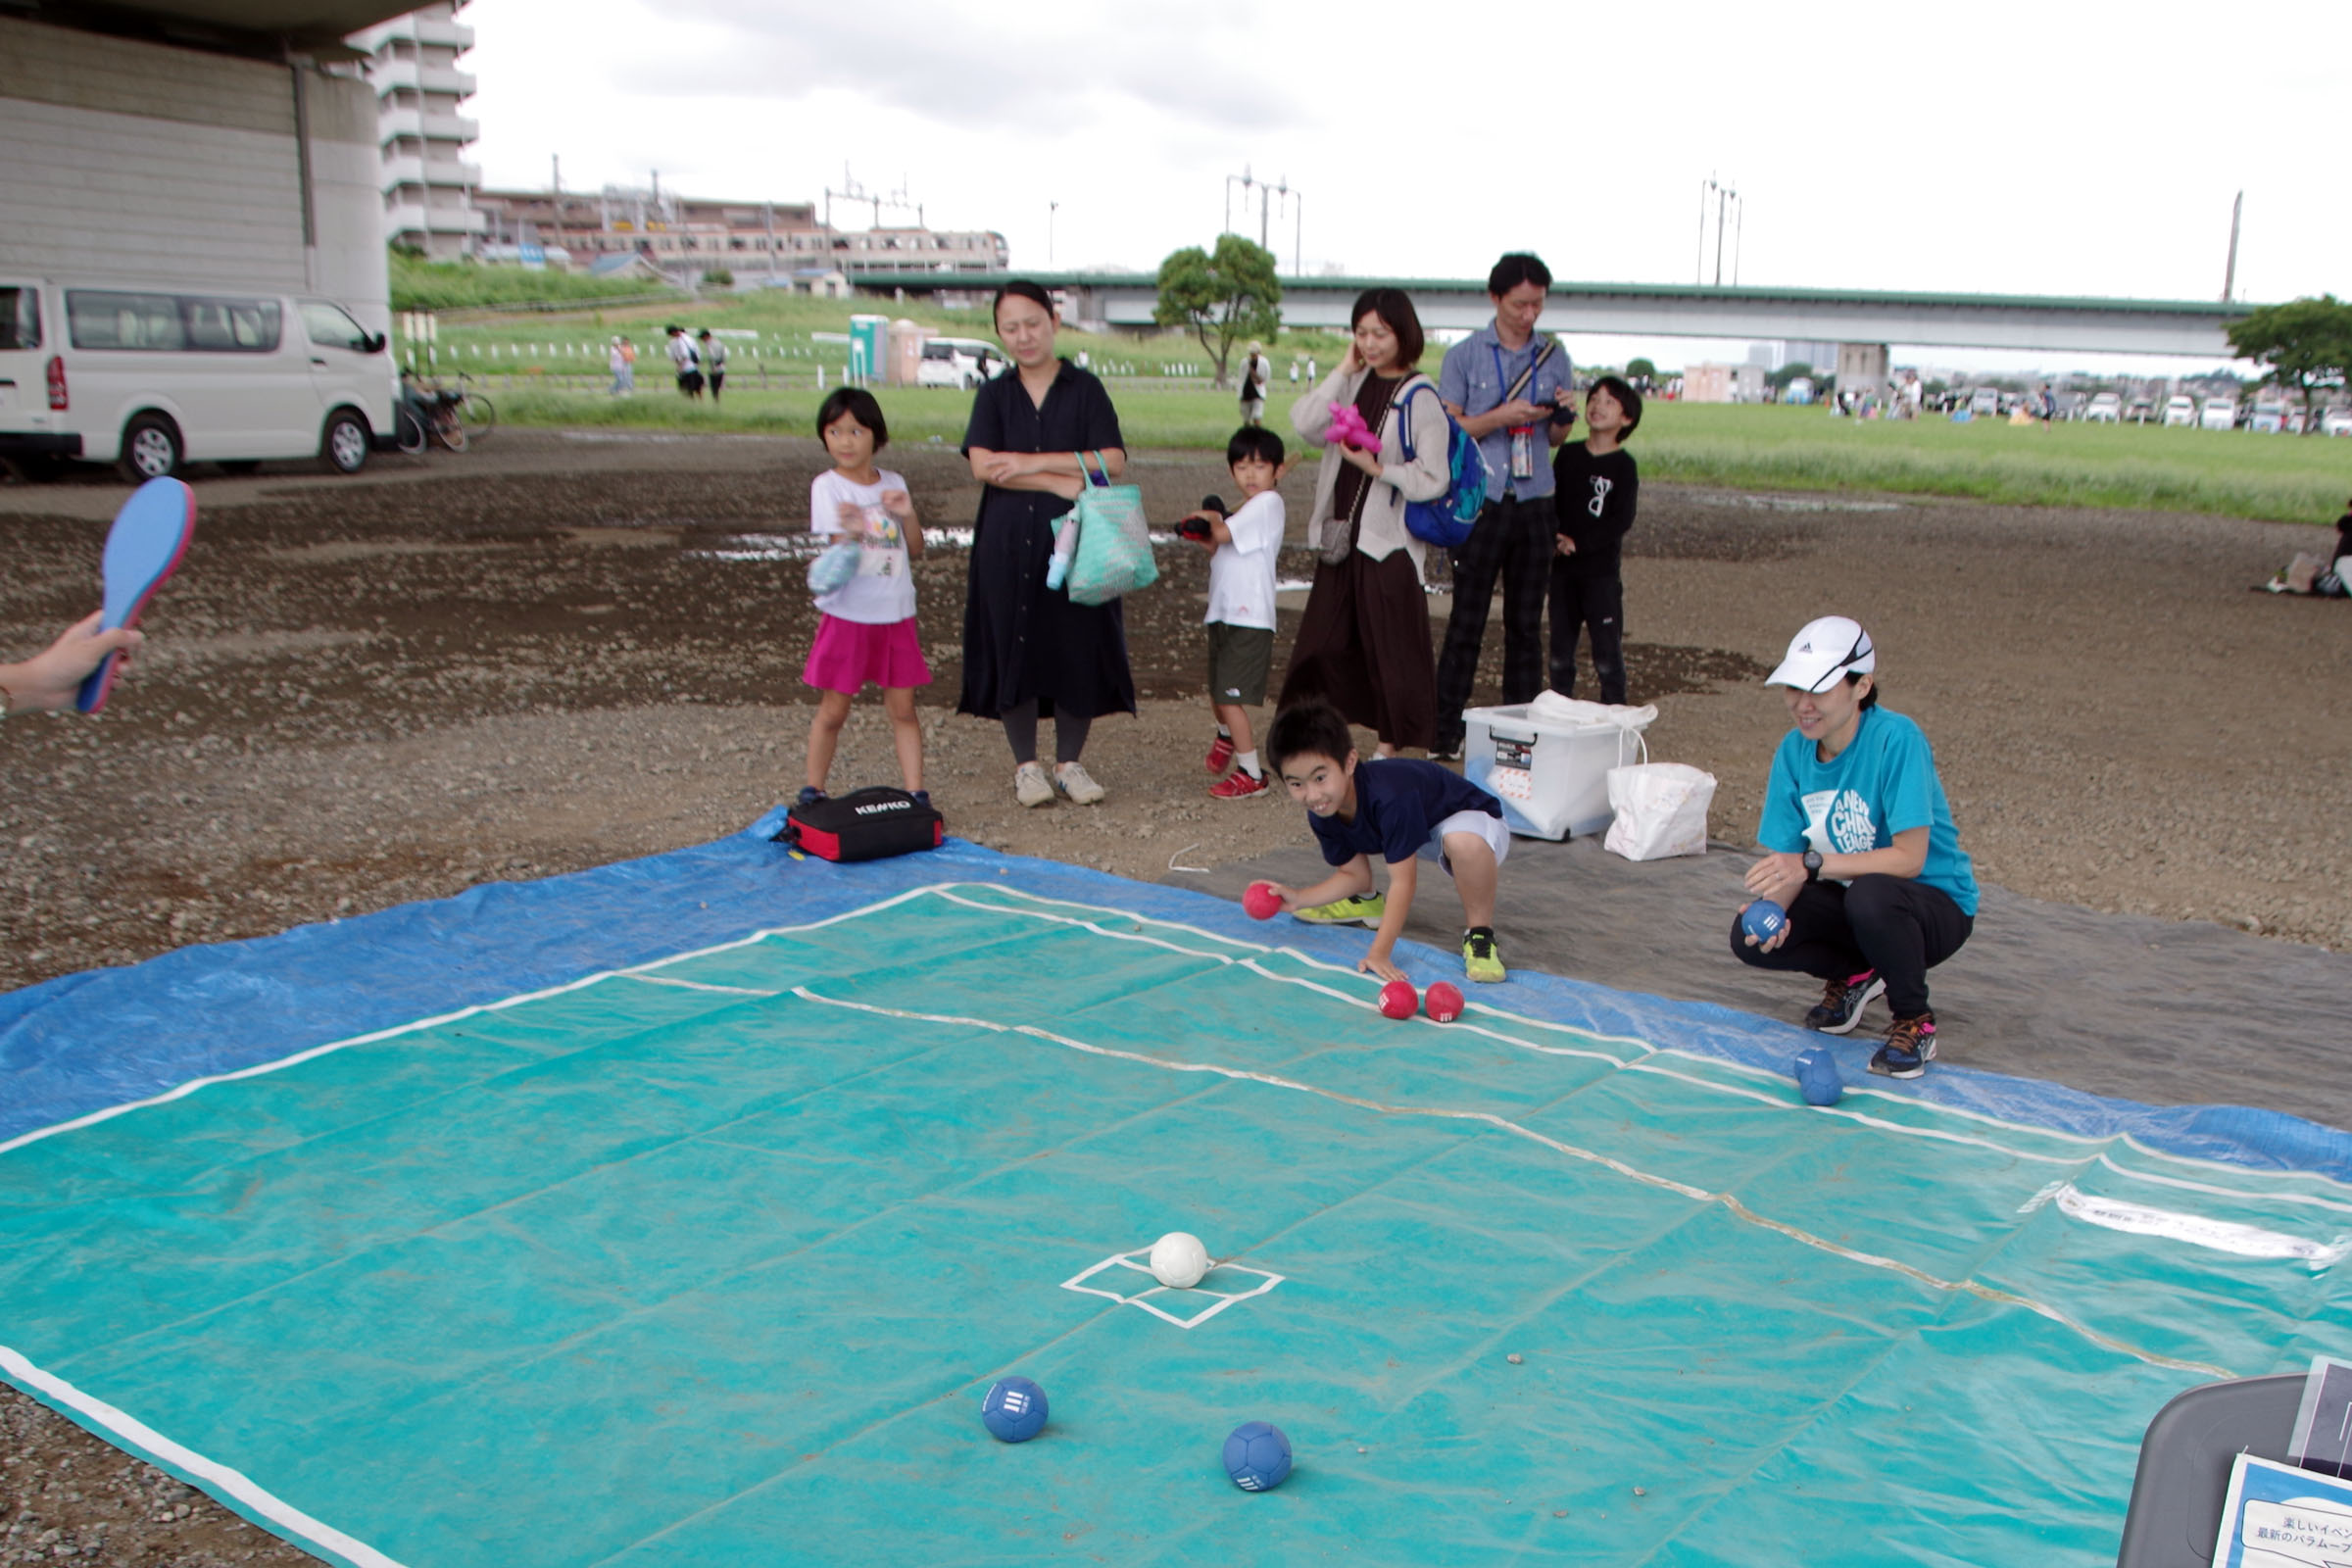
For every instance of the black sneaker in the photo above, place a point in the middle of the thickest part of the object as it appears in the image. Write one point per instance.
(810, 795)
(923, 798)
(1842, 1000)
(1910, 1046)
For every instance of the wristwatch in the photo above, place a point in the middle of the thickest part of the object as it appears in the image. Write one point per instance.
(1812, 859)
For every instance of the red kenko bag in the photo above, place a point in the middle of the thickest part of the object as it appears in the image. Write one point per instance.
(870, 824)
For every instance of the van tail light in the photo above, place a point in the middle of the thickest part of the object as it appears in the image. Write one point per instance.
(57, 381)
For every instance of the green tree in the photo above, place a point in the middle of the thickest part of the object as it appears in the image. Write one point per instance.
(1778, 380)
(1640, 371)
(1220, 298)
(2305, 344)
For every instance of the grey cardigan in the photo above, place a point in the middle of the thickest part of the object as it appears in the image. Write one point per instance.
(1423, 480)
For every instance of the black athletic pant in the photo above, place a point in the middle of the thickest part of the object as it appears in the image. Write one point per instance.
(1593, 605)
(1512, 540)
(1899, 927)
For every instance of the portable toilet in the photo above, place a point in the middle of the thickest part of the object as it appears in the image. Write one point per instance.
(869, 343)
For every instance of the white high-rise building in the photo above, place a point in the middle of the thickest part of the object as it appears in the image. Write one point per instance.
(420, 97)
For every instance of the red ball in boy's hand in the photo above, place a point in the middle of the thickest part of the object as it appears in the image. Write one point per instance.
(1261, 901)
(1445, 1002)
(1399, 999)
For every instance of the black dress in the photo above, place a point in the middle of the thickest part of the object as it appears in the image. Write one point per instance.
(1023, 640)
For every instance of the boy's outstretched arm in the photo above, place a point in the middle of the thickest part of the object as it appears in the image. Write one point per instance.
(1403, 874)
(1351, 881)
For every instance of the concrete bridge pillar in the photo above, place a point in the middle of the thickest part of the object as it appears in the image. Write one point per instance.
(1861, 365)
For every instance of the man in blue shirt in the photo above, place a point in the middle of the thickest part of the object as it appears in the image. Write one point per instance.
(1861, 851)
(1512, 391)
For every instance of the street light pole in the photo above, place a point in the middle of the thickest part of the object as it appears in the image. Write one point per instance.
(1052, 208)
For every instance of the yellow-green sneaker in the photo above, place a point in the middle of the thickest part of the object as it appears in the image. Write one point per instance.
(1480, 959)
(1344, 911)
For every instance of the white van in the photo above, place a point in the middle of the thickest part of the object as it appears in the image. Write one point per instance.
(152, 378)
(962, 362)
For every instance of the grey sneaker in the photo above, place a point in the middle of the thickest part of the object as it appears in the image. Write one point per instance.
(1030, 786)
(1071, 779)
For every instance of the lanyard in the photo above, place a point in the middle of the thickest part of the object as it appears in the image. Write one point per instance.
(1534, 346)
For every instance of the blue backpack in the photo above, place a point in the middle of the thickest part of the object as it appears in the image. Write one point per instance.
(1449, 519)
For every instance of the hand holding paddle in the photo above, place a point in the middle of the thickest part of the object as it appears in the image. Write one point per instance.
(50, 679)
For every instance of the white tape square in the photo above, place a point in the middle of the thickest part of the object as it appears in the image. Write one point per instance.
(1127, 1260)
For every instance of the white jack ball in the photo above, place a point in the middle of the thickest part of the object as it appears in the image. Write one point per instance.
(1178, 1260)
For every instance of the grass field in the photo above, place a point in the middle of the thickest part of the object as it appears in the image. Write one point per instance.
(2278, 478)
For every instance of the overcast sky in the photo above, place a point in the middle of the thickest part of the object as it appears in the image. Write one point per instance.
(2062, 148)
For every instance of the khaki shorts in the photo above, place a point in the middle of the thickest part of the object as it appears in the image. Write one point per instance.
(1239, 658)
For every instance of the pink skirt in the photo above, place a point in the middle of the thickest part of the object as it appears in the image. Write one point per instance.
(847, 654)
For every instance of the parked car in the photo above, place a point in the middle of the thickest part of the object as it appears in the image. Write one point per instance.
(151, 379)
(1984, 403)
(2182, 410)
(2104, 407)
(2220, 414)
(961, 363)
(2140, 412)
(2336, 421)
(2267, 419)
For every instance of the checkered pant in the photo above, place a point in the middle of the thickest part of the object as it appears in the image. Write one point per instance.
(1512, 540)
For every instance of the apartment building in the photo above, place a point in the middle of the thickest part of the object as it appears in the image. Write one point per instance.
(421, 93)
(680, 232)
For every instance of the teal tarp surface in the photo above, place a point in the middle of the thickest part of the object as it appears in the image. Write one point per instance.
(711, 1260)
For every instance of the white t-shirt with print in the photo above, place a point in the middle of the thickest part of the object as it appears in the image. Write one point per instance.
(1241, 575)
(883, 591)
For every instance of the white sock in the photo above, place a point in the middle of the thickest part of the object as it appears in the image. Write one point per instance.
(1224, 732)
(1249, 761)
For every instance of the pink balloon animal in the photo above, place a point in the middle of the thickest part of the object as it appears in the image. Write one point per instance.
(1347, 426)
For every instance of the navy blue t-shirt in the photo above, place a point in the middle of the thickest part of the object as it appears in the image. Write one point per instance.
(1399, 802)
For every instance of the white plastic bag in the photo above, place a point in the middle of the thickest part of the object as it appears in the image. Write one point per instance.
(1661, 810)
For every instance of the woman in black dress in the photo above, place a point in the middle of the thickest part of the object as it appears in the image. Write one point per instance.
(1029, 652)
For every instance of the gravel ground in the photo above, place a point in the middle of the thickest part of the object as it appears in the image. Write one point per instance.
(564, 649)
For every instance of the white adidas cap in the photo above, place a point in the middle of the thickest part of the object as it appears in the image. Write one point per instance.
(1825, 653)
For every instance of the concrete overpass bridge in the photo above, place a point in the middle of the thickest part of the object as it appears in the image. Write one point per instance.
(2186, 328)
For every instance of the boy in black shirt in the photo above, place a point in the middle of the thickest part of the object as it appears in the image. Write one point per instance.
(1595, 486)
(1404, 810)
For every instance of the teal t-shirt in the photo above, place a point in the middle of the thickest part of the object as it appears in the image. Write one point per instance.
(1883, 784)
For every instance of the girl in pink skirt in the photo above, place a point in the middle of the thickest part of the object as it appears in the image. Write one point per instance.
(867, 630)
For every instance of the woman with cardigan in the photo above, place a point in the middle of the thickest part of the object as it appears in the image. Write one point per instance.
(1363, 643)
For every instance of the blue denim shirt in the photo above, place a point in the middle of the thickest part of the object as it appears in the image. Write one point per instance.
(1469, 380)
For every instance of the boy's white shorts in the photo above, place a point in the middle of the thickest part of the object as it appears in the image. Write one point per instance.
(1490, 828)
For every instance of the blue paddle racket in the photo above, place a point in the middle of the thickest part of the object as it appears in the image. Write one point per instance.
(150, 535)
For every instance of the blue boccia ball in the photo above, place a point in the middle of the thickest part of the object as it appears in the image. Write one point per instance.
(1818, 1078)
(1257, 1456)
(1763, 920)
(1014, 1410)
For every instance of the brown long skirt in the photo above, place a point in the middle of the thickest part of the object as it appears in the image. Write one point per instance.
(1363, 647)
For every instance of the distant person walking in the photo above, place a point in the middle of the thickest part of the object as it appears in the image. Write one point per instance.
(1363, 641)
(622, 361)
(1029, 652)
(714, 356)
(688, 365)
(1255, 374)
(1504, 382)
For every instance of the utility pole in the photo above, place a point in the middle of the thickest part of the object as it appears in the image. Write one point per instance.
(2229, 275)
(1052, 208)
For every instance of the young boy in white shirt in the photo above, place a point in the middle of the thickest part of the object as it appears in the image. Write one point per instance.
(1244, 546)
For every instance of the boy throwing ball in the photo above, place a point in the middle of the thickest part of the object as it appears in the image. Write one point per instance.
(1403, 809)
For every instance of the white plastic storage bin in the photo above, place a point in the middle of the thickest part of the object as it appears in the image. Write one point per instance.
(1549, 761)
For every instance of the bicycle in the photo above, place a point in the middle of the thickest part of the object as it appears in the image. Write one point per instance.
(433, 414)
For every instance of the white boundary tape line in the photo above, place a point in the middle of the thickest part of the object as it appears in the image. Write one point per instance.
(1729, 1203)
(218, 1478)
(2093, 1145)
(948, 891)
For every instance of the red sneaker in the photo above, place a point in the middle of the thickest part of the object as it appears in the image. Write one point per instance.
(1237, 786)
(1220, 754)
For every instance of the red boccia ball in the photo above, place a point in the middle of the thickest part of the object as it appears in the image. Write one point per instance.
(1445, 1002)
(1399, 999)
(1261, 901)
